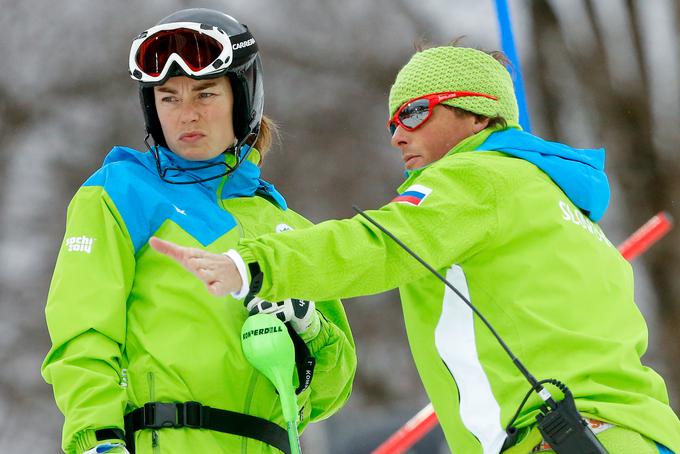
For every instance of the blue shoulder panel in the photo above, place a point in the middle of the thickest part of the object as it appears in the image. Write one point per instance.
(145, 202)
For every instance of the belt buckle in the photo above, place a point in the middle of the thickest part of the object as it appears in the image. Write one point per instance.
(192, 415)
(158, 415)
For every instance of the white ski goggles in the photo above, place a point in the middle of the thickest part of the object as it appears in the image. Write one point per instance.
(198, 49)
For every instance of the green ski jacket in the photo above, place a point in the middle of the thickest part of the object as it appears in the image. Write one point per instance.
(515, 244)
(129, 325)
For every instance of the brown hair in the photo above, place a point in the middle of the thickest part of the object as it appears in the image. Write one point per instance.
(493, 121)
(269, 133)
(498, 55)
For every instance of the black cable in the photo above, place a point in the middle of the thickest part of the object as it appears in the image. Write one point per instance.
(560, 423)
(535, 384)
(558, 384)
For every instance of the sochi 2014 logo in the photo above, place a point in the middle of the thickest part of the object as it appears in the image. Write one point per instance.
(79, 244)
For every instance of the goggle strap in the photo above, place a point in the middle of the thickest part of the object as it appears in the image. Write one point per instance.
(243, 45)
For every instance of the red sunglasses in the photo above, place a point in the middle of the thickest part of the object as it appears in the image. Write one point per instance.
(412, 114)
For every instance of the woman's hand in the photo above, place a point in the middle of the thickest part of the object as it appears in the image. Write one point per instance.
(217, 271)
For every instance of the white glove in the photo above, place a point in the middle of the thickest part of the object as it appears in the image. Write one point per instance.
(109, 448)
(301, 314)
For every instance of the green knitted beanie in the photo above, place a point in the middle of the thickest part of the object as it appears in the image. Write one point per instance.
(449, 68)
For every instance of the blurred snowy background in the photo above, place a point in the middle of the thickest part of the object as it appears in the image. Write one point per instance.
(597, 73)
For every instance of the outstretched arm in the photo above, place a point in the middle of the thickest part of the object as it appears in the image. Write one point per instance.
(351, 257)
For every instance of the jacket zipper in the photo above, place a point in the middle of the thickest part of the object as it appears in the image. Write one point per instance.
(253, 376)
(152, 398)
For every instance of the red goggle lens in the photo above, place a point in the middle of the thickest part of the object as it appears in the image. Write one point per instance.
(196, 49)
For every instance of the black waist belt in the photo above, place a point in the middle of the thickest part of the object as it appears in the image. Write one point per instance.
(160, 415)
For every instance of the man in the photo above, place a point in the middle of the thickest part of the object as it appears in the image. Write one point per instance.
(509, 219)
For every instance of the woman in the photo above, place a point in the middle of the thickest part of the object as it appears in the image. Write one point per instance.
(141, 351)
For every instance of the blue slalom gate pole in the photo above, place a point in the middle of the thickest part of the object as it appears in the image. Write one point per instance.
(508, 46)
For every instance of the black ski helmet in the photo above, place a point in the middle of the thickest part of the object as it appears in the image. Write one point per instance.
(244, 73)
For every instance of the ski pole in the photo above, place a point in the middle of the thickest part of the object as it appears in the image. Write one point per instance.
(425, 420)
(269, 349)
(508, 46)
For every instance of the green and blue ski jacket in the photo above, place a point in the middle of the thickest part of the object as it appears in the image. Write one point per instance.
(501, 216)
(129, 325)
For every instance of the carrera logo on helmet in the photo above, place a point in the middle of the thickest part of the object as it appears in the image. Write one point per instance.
(243, 44)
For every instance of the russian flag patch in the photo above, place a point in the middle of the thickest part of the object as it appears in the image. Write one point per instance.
(414, 195)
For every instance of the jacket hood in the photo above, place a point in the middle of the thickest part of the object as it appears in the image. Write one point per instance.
(578, 172)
